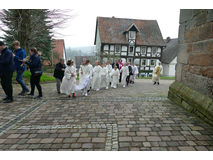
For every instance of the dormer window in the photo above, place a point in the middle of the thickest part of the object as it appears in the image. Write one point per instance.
(132, 34)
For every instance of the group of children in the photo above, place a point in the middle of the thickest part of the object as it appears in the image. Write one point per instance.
(96, 77)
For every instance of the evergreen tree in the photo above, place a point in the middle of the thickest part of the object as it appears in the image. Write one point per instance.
(29, 26)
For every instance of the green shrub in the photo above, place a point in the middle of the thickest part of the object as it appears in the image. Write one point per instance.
(27, 74)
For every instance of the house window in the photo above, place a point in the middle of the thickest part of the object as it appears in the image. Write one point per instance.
(131, 49)
(132, 34)
(143, 51)
(124, 48)
(154, 51)
(117, 49)
(137, 61)
(143, 62)
(158, 52)
(152, 63)
(111, 47)
(149, 49)
(106, 47)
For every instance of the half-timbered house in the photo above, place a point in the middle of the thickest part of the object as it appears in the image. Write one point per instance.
(132, 40)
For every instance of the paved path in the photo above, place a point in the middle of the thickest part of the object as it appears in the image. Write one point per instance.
(139, 117)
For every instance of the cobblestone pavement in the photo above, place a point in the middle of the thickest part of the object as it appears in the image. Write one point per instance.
(137, 118)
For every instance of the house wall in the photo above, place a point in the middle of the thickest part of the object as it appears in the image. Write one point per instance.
(172, 67)
(98, 44)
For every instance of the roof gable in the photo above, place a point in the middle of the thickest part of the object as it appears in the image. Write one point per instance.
(111, 31)
(133, 27)
(171, 50)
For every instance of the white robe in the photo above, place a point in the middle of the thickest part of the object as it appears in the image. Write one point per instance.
(135, 72)
(90, 70)
(109, 68)
(125, 73)
(84, 73)
(104, 73)
(156, 76)
(96, 80)
(115, 74)
(69, 82)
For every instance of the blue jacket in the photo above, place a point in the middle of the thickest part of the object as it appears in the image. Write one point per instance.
(34, 63)
(6, 61)
(19, 56)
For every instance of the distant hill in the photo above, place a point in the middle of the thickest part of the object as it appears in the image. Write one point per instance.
(80, 51)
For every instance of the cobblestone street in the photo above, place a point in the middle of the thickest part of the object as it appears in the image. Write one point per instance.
(135, 118)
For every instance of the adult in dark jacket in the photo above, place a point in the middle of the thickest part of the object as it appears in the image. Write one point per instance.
(59, 74)
(130, 73)
(116, 63)
(7, 68)
(35, 66)
(19, 55)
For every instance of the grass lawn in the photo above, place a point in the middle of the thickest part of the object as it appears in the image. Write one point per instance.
(162, 78)
(27, 74)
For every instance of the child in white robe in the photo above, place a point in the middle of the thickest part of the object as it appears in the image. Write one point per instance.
(90, 69)
(135, 73)
(115, 74)
(84, 73)
(104, 73)
(125, 73)
(69, 80)
(109, 69)
(96, 80)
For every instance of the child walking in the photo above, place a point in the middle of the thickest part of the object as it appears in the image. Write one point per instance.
(69, 80)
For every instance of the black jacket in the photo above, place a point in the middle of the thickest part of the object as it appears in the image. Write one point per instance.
(58, 73)
(34, 63)
(6, 61)
(130, 70)
(117, 64)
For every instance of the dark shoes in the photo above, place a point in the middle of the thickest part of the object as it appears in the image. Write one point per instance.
(38, 97)
(5, 99)
(8, 100)
(156, 83)
(23, 93)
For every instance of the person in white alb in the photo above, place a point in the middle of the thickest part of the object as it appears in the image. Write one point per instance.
(84, 77)
(135, 72)
(115, 74)
(156, 73)
(109, 69)
(69, 80)
(90, 70)
(96, 80)
(125, 73)
(104, 73)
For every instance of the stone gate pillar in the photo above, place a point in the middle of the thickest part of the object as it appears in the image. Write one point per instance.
(193, 88)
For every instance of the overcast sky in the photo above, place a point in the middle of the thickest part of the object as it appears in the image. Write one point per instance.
(80, 30)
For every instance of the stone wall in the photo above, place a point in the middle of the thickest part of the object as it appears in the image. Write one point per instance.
(195, 53)
(194, 70)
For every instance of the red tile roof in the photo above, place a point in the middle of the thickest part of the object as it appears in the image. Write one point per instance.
(112, 31)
